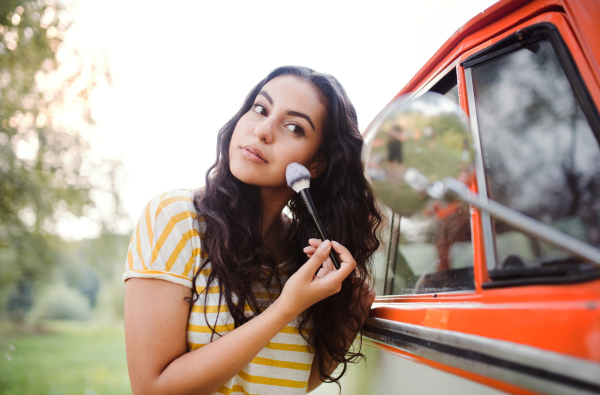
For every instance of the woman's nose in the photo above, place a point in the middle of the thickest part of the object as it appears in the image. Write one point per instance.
(264, 131)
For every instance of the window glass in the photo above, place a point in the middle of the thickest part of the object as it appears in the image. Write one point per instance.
(447, 86)
(434, 251)
(540, 155)
(435, 254)
(452, 94)
(380, 257)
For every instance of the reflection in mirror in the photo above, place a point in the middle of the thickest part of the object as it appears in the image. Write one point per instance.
(417, 142)
(414, 143)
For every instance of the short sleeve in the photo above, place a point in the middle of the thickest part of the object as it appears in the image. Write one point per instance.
(166, 244)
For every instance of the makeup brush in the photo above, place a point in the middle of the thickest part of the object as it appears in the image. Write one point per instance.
(298, 178)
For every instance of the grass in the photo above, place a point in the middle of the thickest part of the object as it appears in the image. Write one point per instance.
(66, 358)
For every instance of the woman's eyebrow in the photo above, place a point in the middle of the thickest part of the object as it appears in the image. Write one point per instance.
(299, 114)
(292, 113)
(267, 96)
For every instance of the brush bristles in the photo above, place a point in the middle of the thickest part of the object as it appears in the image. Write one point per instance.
(297, 176)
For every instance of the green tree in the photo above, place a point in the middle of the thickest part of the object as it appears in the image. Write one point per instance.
(45, 172)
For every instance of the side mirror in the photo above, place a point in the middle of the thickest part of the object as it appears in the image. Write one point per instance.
(412, 146)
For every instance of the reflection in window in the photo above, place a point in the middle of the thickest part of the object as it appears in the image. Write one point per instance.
(540, 156)
(435, 254)
(379, 260)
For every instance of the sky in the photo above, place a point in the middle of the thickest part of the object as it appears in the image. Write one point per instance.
(181, 69)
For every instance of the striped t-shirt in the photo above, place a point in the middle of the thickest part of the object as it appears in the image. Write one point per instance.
(167, 244)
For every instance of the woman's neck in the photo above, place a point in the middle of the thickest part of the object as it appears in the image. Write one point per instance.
(273, 202)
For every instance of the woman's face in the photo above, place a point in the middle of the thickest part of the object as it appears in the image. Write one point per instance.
(284, 125)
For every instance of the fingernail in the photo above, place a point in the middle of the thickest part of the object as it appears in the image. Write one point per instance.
(324, 245)
(335, 242)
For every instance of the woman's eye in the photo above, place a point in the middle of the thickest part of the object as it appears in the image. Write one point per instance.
(296, 129)
(260, 109)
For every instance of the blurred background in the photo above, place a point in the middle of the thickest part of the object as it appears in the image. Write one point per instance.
(99, 101)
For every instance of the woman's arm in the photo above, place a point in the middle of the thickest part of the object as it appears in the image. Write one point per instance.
(156, 326)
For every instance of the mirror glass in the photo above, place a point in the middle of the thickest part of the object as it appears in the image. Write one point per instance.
(414, 142)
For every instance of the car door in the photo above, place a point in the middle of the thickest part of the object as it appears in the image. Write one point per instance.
(468, 303)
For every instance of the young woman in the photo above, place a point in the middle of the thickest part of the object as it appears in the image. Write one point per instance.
(242, 310)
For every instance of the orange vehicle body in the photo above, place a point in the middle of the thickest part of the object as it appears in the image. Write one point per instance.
(561, 318)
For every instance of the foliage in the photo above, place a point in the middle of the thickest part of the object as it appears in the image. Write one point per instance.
(85, 282)
(46, 172)
(61, 303)
(74, 358)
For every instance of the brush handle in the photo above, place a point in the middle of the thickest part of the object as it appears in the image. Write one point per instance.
(313, 213)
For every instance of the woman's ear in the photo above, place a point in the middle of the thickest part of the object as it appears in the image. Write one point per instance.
(317, 166)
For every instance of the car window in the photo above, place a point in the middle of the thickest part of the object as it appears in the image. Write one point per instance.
(433, 252)
(540, 155)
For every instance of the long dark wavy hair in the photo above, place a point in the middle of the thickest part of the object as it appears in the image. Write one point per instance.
(232, 213)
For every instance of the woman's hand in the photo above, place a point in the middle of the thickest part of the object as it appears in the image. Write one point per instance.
(305, 288)
(365, 294)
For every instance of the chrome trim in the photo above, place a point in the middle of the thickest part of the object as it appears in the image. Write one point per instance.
(486, 222)
(555, 364)
(524, 223)
(391, 266)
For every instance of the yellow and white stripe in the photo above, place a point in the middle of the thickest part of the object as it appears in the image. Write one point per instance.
(167, 244)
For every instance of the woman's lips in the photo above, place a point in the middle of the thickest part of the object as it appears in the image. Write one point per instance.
(253, 154)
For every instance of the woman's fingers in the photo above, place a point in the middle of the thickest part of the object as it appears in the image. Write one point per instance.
(343, 252)
(345, 269)
(340, 249)
(322, 272)
(314, 242)
(316, 260)
(309, 249)
(328, 264)
(346, 266)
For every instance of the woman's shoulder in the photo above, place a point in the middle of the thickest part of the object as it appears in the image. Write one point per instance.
(171, 203)
(167, 241)
(172, 213)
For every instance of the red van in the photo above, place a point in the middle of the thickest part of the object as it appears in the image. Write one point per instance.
(470, 302)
